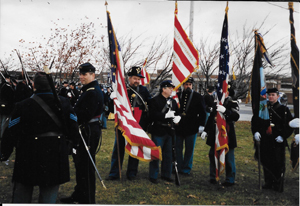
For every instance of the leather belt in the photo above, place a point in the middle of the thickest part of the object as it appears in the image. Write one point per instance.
(49, 134)
(164, 124)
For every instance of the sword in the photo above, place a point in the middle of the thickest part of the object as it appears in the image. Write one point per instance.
(87, 149)
(259, 175)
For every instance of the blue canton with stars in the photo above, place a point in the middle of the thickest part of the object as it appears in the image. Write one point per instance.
(112, 47)
(224, 59)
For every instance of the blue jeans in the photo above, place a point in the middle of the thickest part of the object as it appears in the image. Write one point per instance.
(165, 142)
(230, 168)
(185, 163)
(103, 120)
(23, 193)
(133, 163)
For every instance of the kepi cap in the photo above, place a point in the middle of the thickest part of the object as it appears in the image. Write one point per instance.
(167, 83)
(190, 80)
(135, 71)
(273, 90)
(86, 67)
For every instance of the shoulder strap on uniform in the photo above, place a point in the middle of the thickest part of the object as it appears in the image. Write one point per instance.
(47, 109)
(91, 88)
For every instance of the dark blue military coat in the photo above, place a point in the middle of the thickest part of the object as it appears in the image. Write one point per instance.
(41, 146)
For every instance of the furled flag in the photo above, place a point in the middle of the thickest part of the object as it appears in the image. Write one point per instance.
(258, 88)
(294, 64)
(221, 141)
(144, 73)
(186, 56)
(295, 75)
(137, 142)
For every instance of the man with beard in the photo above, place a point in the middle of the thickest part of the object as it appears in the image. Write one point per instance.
(192, 109)
(138, 96)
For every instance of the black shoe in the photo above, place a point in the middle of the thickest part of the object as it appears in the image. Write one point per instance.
(167, 179)
(131, 178)
(185, 174)
(227, 184)
(213, 181)
(267, 186)
(112, 178)
(68, 200)
(154, 181)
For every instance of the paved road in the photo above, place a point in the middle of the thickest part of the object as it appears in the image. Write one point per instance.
(246, 111)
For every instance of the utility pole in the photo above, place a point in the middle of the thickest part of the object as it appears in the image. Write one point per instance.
(191, 20)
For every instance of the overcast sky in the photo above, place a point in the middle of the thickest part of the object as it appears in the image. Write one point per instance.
(31, 19)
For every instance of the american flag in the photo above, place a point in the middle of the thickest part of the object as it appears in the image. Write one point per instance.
(137, 142)
(144, 73)
(186, 56)
(221, 141)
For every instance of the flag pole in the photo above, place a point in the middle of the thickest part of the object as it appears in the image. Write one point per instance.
(117, 132)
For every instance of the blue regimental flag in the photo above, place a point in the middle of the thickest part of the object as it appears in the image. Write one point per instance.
(258, 85)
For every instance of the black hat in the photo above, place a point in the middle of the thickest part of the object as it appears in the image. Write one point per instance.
(20, 77)
(273, 90)
(167, 83)
(6, 75)
(41, 82)
(135, 71)
(231, 91)
(190, 80)
(65, 82)
(72, 83)
(210, 89)
(86, 67)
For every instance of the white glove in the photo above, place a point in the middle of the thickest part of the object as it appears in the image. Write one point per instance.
(294, 123)
(69, 94)
(170, 114)
(221, 108)
(176, 119)
(113, 95)
(297, 139)
(279, 139)
(203, 135)
(200, 129)
(257, 136)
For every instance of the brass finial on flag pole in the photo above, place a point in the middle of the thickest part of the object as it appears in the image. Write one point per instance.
(226, 10)
(291, 5)
(176, 9)
(106, 5)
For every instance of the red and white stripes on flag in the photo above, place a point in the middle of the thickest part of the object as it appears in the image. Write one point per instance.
(144, 73)
(185, 56)
(137, 142)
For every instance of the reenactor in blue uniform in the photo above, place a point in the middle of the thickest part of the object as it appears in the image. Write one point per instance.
(39, 131)
(163, 112)
(7, 101)
(23, 90)
(273, 143)
(64, 91)
(192, 109)
(230, 110)
(74, 94)
(88, 108)
(138, 96)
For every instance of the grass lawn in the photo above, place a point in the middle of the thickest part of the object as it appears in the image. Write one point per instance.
(194, 190)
